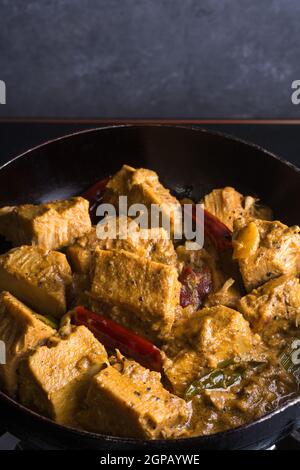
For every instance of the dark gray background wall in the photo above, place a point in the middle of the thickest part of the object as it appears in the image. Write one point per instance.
(149, 58)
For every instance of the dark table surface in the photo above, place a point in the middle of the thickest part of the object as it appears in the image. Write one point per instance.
(282, 139)
(149, 58)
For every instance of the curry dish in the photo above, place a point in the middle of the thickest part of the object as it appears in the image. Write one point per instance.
(139, 335)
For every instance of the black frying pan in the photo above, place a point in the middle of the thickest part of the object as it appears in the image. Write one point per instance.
(181, 156)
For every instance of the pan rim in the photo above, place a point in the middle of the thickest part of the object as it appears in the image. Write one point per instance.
(289, 403)
(191, 127)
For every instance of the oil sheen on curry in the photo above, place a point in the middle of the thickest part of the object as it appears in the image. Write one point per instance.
(140, 336)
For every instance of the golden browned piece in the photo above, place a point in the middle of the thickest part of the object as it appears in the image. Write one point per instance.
(183, 369)
(51, 226)
(153, 244)
(148, 289)
(265, 250)
(132, 402)
(80, 252)
(213, 335)
(21, 331)
(228, 205)
(274, 307)
(36, 276)
(142, 186)
(55, 377)
(223, 333)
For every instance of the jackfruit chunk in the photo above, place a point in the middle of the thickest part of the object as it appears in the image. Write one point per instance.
(38, 277)
(51, 226)
(54, 378)
(148, 289)
(21, 331)
(132, 405)
(266, 250)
